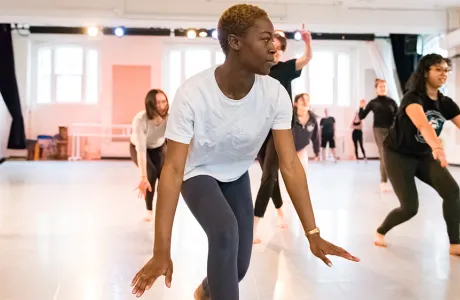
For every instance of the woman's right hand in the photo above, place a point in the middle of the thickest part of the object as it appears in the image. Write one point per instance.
(158, 265)
(143, 186)
(362, 103)
(439, 154)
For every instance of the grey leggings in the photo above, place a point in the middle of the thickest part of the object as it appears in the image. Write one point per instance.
(380, 134)
(402, 170)
(225, 212)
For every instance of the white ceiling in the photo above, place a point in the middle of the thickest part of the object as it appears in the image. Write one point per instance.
(373, 4)
(361, 16)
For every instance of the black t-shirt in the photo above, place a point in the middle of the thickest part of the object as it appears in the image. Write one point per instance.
(327, 126)
(384, 109)
(404, 137)
(285, 72)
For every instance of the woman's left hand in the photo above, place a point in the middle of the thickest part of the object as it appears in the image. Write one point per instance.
(320, 248)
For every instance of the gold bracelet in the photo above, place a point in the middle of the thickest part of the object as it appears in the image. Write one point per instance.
(313, 231)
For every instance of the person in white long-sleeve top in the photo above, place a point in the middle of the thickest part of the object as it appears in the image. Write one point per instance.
(148, 144)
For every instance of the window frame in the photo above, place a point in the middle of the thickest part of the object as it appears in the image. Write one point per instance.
(36, 45)
(212, 46)
(298, 50)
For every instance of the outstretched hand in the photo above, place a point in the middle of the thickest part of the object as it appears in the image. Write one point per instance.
(143, 187)
(158, 265)
(320, 248)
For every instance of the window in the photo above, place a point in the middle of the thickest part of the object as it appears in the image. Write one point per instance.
(326, 78)
(322, 73)
(343, 79)
(184, 61)
(299, 85)
(92, 75)
(196, 61)
(67, 74)
(175, 73)
(44, 73)
(220, 58)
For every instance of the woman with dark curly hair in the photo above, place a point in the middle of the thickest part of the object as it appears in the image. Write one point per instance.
(217, 124)
(413, 149)
(148, 146)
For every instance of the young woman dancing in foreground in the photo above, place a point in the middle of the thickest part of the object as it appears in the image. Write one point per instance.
(228, 111)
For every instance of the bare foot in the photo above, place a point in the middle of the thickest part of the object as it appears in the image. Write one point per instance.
(384, 187)
(149, 216)
(454, 250)
(256, 223)
(379, 240)
(200, 293)
(281, 222)
(257, 241)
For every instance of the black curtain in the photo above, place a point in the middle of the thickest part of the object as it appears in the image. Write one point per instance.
(9, 89)
(405, 55)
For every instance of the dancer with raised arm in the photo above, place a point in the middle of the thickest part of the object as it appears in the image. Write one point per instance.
(284, 72)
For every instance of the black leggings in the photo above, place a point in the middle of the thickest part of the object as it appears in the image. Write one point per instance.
(155, 160)
(402, 170)
(269, 185)
(224, 211)
(357, 136)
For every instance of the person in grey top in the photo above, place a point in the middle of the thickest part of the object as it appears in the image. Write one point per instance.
(148, 144)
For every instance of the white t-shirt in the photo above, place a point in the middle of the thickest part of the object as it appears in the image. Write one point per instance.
(225, 135)
(147, 135)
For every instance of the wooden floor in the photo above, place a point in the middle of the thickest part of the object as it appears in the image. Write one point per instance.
(74, 230)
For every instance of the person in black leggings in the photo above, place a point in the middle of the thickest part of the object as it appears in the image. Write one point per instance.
(148, 146)
(284, 72)
(305, 128)
(357, 136)
(413, 149)
(328, 130)
(384, 109)
(212, 170)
